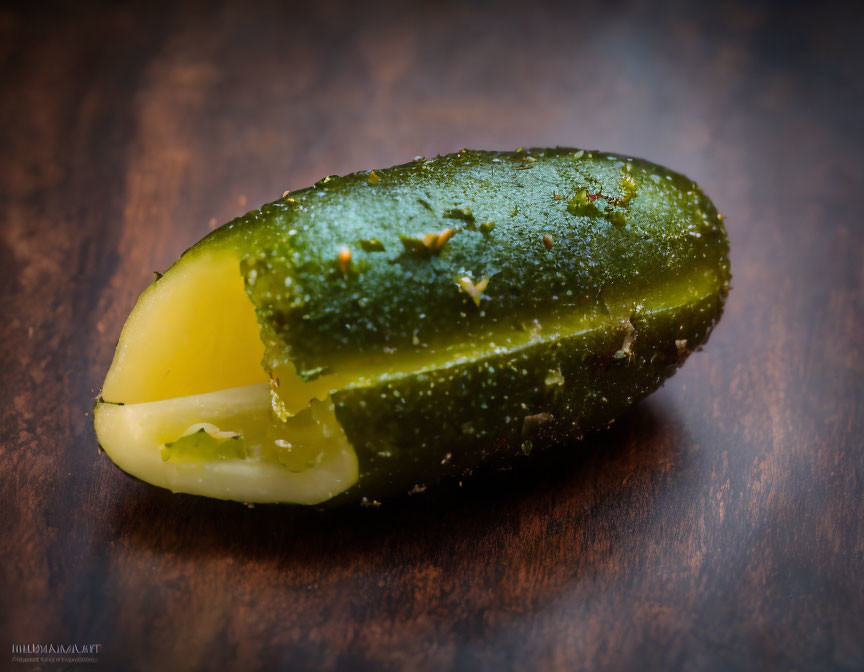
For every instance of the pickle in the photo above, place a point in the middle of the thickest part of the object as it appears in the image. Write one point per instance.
(377, 332)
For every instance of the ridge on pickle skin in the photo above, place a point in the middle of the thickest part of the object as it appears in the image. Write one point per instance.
(474, 306)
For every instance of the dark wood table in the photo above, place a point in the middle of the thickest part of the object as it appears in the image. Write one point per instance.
(719, 525)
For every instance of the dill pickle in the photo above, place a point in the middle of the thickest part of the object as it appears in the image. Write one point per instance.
(415, 322)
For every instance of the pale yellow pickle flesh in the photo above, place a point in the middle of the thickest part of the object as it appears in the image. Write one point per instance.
(191, 353)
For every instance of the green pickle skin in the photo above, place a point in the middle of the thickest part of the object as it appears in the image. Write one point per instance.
(636, 252)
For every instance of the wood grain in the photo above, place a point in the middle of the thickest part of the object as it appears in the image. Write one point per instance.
(720, 525)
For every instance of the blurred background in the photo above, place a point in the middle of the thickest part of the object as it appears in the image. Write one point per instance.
(719, 528)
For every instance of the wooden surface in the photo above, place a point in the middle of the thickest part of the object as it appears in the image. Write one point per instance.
(718, 526)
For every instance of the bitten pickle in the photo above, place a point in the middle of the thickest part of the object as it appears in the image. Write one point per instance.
(377, 332)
